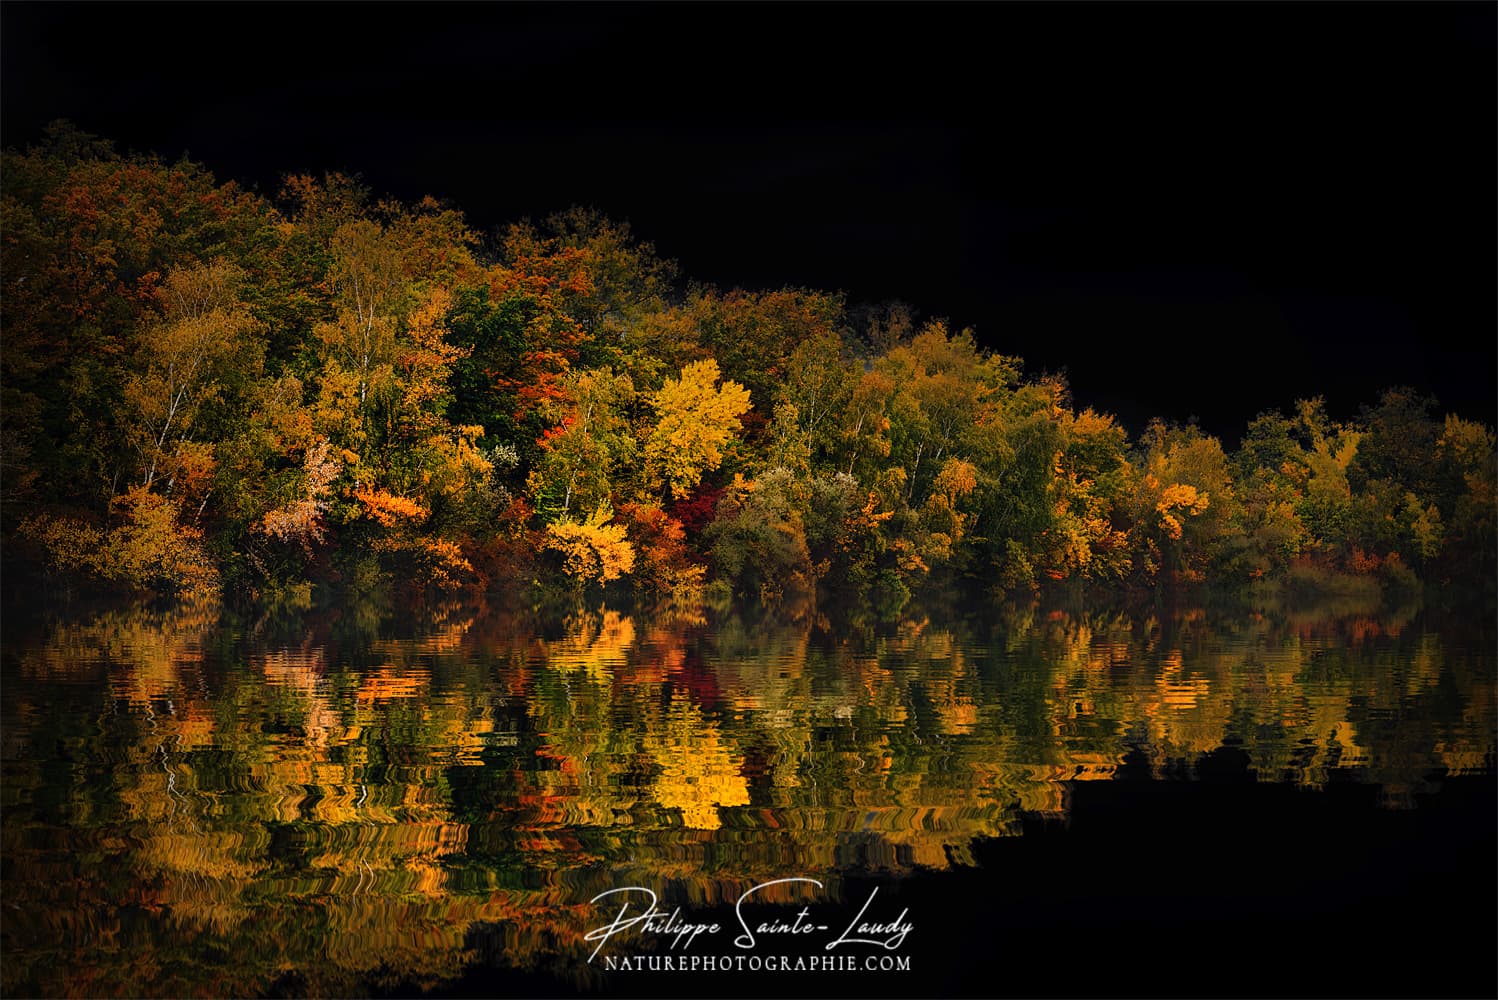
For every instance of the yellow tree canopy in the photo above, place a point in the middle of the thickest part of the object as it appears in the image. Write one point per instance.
(593, 550)
(697, 418)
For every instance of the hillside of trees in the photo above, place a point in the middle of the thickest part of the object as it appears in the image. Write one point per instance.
(209, 394)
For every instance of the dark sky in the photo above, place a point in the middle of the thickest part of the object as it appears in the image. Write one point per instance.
(1192, 209)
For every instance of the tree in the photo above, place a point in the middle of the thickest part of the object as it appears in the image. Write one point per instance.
(1017, 447)
(819, 384)
(1326, 505)
(1186, 513)
(759, 536)
(424, 452)
(1271, 470)
(369, 287)
(944, 387)
(590, 439)
(1400, 438)
(1090, 482)
(607, 277)
(88, 236)
(302, 520)
(863, 430)
(696, 418)
(754, 334)
(1469, 494)
(593, 551)
(183, 360)
(669, 570)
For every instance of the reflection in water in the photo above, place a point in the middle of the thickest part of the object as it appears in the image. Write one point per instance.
(191, 811)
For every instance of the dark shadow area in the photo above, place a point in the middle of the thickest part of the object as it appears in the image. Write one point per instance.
(1219, 887)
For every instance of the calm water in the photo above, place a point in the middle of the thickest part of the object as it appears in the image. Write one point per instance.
(338, 804)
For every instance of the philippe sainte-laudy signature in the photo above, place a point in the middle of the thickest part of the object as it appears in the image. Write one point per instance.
(640, 913)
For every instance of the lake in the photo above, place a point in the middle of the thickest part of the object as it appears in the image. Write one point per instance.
(1062, 801)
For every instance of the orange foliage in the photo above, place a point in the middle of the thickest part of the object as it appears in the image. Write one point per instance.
(446, 566)
(666, 565)
(387, 509)
(1363, 562)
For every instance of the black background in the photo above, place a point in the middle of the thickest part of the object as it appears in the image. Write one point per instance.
(1220, 886)
(1191, 209)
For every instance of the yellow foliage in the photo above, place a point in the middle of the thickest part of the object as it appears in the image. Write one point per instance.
(957, 478)
(337, 412)
(593, 550)
(150, 550)
(180, 363)
(1181, 499)
(69, 545)
(697, 418)
(700, 772)
(1090, 424)
(423, 362)
(946, 524)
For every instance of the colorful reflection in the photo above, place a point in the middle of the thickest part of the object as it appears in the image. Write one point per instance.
(194, 808)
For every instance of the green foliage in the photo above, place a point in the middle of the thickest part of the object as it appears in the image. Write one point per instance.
(204, 390)
(590, 439)
(759, 536)
(88, 237)
(754, 335)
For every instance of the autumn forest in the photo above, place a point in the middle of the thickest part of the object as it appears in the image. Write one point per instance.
(210, 394)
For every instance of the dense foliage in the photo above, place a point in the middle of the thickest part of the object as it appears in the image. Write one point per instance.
(208, 389)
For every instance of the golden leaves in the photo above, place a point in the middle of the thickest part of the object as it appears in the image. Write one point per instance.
(1179, 500)
(149, 550)
(69, 544)
(957, 479)
(594, 550)
(697, 418)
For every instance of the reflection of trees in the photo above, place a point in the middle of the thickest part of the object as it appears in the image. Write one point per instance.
(699, 772)
(215, 812)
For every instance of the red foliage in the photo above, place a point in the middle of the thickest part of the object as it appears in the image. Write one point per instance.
(698, 509)
(549, 436)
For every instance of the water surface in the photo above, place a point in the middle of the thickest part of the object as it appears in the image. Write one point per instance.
(342, 804)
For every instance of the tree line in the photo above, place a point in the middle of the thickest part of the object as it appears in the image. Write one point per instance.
(210, 391)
